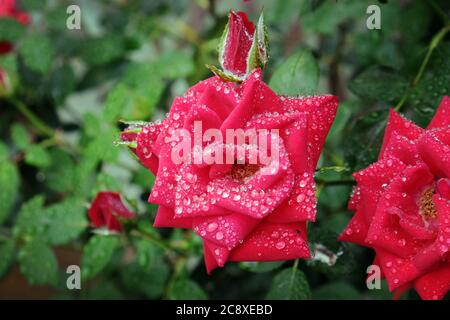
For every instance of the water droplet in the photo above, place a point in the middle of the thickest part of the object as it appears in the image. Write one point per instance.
(212, 227)
(280, 245)
(219, 235)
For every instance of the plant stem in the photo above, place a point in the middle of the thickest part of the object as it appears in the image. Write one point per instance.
(38, 124)
(433, 44)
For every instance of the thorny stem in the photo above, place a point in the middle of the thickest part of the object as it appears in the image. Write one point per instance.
(433, 44)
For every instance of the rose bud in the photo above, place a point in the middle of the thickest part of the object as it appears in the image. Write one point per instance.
(243, 48)
(107, 210)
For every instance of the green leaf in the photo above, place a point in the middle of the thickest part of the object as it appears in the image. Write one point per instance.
(379, 84)
(327, 17)
(289, 284)
(37, 52)
(146, 252)
(30, 219)
(101, 148)
(38, 263)
(364, 138)
(336, 291)
(20, 136)
(10, 29)
(185, 289)
(102, 291)
(135, 97)
(96, 254)
(7, 254)
(62, 83)
(68, 221)
(56, 224)
(435, 83)
(116, 100)
(60, 175)
(297, 75)
(259, 50)
(37, 156)
(102, 50)
(150, 282)
(32, 5)
(174, 65)
(4, 153)
(9, 186)
(259, 267)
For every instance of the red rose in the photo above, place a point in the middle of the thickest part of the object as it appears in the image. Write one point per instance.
(105, 210)
(242, 211)
(402, 205)
(8, 9)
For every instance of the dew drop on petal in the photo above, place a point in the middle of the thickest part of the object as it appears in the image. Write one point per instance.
(219, 235)
(280, 245)
(212, 227)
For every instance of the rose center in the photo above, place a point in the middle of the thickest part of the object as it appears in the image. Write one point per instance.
(242, 171)
(426, 204)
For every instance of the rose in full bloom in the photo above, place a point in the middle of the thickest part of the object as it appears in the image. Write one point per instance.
(243, 211)
(107, 210)
(8, 9)
(402, 205)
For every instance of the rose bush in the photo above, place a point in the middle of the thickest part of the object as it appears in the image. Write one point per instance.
(65, 91)
(240, 213)
(402, 205)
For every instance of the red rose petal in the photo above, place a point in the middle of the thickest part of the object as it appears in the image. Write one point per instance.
(356, 230)
(434, 285)
(402, 148)
(321, 111)
(271, 242)
(396, 123)
(165, 218)
(435, 154)
(226, 231)
(442, 115)
(398, 271)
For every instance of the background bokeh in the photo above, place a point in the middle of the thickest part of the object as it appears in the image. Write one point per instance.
(68, 89)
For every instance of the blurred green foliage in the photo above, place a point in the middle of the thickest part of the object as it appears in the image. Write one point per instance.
(69, 89)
